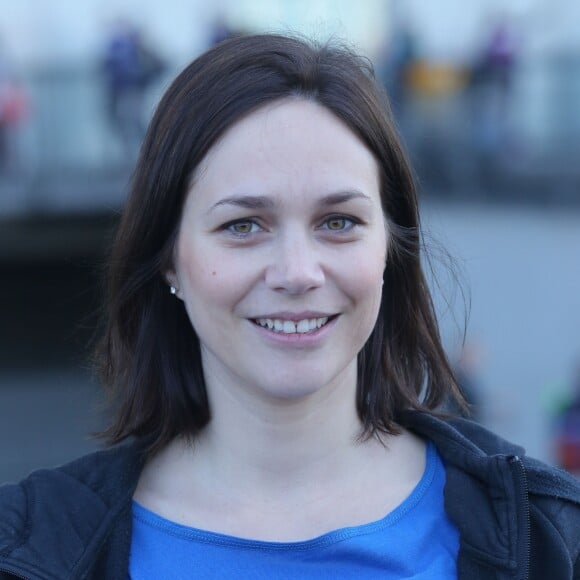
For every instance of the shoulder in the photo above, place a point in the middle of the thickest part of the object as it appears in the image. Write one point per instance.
(470, 447)
(494, 483)
(554, 503)
(542, 479)
(75, 496)
(13, 515)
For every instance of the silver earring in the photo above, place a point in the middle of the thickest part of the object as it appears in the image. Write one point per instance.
(173, 290)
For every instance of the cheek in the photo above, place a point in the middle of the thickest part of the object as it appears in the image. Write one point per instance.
(363, 283)
(211, 280)
(367, 283)
(197, 275)
(370, 260)
(365, 295)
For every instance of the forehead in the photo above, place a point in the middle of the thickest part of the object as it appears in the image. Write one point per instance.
(293, 147)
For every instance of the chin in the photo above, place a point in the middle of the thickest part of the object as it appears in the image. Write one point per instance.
(289, 393)
(293, 388)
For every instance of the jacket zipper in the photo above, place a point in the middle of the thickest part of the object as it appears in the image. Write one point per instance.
(524, 505)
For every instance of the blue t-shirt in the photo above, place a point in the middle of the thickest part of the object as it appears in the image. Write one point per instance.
(415, 540)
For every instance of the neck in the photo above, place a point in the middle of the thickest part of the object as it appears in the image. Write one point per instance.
(278, 458)
(267, 445)
(280, 442)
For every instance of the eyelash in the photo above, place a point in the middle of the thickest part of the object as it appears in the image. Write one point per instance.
(229, 227)
(350, 222)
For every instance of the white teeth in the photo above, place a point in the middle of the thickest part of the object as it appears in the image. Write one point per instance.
(303, 326)
(291, 327)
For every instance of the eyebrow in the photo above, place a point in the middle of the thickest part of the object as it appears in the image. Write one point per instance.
(263, 202)
(344, 196)
(245, 201)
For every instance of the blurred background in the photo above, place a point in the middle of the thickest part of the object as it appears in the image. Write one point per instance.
(487, 99)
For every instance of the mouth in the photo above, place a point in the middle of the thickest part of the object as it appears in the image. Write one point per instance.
(282, 326)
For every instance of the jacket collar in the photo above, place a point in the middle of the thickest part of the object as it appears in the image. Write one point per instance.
(471, 447)
(59, 520)
(486, 496)
(487, 493)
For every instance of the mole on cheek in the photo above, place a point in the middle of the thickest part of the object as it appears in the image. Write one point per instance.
(213, 273)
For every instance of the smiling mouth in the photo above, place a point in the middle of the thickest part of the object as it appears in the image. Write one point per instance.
(293, 327)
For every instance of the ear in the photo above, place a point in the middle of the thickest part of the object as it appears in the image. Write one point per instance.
(170, 277)
(173, 282)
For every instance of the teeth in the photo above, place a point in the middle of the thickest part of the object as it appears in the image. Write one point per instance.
(303, 326)
(291, 327)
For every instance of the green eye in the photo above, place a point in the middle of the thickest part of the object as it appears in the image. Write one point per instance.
(242, 227)
(337, 223)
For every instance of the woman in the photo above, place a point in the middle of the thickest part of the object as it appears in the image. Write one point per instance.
(276, 363)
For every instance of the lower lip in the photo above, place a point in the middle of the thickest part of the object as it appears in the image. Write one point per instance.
(296, 339)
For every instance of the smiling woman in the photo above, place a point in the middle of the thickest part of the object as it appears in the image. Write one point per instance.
(275, 360)
(297, 249)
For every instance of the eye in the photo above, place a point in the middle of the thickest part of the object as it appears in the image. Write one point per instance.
(338, 223)
(242, 227)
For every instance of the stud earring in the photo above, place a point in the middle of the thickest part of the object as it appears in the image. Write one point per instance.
(173, 290)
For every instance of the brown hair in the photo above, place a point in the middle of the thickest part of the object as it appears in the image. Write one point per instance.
(149, 355)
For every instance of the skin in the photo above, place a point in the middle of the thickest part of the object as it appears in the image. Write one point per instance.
(283, 221)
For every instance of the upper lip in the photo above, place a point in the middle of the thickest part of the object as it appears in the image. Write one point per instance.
(294, 316)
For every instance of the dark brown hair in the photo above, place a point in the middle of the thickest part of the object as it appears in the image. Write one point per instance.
(149, 355)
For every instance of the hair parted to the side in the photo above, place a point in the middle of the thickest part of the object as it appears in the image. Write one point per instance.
(149, 356)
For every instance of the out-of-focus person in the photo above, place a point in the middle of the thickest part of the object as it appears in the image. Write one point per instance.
(130, 66)
(14, 108)
(567, 428)
(221, 30)
(397, 61)
(491, 89)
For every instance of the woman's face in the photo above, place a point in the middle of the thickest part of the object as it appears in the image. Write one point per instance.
(281, 250)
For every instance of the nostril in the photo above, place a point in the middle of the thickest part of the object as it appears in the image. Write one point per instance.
(295, 278)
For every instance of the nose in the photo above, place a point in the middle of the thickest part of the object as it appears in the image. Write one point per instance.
(296, 265)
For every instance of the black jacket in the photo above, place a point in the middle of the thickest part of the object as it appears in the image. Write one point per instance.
(517, 518)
